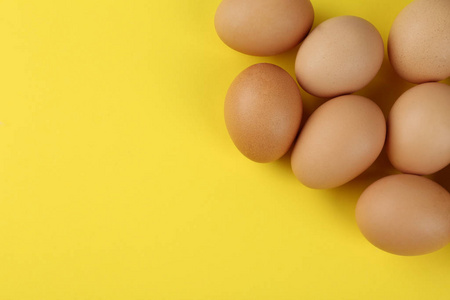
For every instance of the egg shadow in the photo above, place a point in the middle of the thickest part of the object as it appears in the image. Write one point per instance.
(344, 198)
(285, 161)
(286, 60)
(385, 88)
(443, 178)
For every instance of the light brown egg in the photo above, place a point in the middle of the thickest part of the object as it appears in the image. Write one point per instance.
(340, 56)
(419, 129)
(263, 110)
(405, 214)
(340, 140)
(263, 27)
(419, 41)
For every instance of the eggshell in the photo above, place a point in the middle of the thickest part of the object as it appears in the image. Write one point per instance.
(263, 110)
(340, 140)
(263, 27)
(340, 56)
(419, 41)
(405, 214)
(419, 129)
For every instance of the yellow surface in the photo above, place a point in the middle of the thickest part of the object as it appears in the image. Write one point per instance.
(118, 179)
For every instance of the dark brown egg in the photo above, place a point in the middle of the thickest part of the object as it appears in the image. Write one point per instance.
(263, 110)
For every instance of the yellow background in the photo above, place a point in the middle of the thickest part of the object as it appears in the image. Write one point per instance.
(118, 179)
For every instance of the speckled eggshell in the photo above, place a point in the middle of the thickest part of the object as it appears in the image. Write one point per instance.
(405, 214)
(419, 129)
(340, 56)
(339, 141)
(263, 27)
(419, 41)
(263, 110)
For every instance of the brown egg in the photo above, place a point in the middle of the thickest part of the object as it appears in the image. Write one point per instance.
(419, 129)
(340, 140)
(263, 110)
(263, 27)
(405, 214)
(340, 56)
(419, 41)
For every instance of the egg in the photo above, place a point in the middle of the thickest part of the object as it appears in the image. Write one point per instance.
(263, 110)
(419, 129)
(263, 27)
(405, 214)
(340, 56)
(419, 41)
(339, 141)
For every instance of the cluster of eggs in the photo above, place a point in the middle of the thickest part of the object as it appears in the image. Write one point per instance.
(405, 214)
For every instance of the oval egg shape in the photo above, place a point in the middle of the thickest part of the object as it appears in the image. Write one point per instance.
(339, 141)
(340, 56)
(263, 110)
(405, 214)
(419, 41)
(263, 27)
(418, 139)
